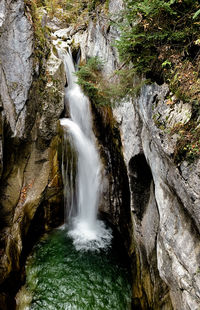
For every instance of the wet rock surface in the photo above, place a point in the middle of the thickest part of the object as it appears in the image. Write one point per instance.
(30, 106)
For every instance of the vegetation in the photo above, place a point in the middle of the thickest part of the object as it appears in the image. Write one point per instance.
(70, 12)
(90, 78)
(41, 45)
(160, 41)
(188, 146)
(154, 30)
(102, 90)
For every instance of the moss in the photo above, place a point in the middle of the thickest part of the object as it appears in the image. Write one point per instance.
(41, 53)
(41, 44)
(188, 144)
(159, 124)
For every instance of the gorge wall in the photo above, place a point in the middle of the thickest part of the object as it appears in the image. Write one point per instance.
(31, 99)
(164, 198)
(153, 202)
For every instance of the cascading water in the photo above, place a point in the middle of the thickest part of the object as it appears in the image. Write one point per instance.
(58, 274)
(82, 194)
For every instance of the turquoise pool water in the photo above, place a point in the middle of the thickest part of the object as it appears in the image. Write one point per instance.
(60, 277)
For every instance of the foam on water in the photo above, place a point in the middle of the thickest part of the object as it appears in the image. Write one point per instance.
(85, 238)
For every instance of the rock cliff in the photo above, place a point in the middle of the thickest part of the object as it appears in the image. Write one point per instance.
(31, 101)
(163, 228)
(153, 201)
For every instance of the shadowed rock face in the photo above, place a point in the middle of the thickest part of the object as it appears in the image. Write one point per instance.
(140, 182)
(30, 106)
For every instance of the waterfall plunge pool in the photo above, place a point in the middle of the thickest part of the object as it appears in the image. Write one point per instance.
(83, 269)
(58, 277)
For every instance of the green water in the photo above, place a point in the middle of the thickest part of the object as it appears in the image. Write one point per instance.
(59, 277)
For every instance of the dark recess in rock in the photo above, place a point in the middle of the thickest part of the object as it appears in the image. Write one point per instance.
(140, 181)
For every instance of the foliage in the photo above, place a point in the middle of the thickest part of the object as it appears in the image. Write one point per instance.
(159, 39)
(128, 84)
(70, 9)
(184, 80)
(188, 146)
(106, 91)
(91, 80)
(71, 12)
(148, 25)
(196, 14)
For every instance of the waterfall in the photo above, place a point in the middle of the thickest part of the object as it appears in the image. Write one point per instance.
(82, 186)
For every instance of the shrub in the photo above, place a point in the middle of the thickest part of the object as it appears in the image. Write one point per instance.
(94, 85)
(160, 40)
(147, 25)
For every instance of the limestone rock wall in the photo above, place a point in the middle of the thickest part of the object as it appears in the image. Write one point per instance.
(164, 243)
(16, 63)
(31, 102)
(177, 200)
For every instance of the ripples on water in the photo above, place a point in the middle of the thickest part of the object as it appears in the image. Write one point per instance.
(60, 277)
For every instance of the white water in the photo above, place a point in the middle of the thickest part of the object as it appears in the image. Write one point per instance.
(82, 188)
